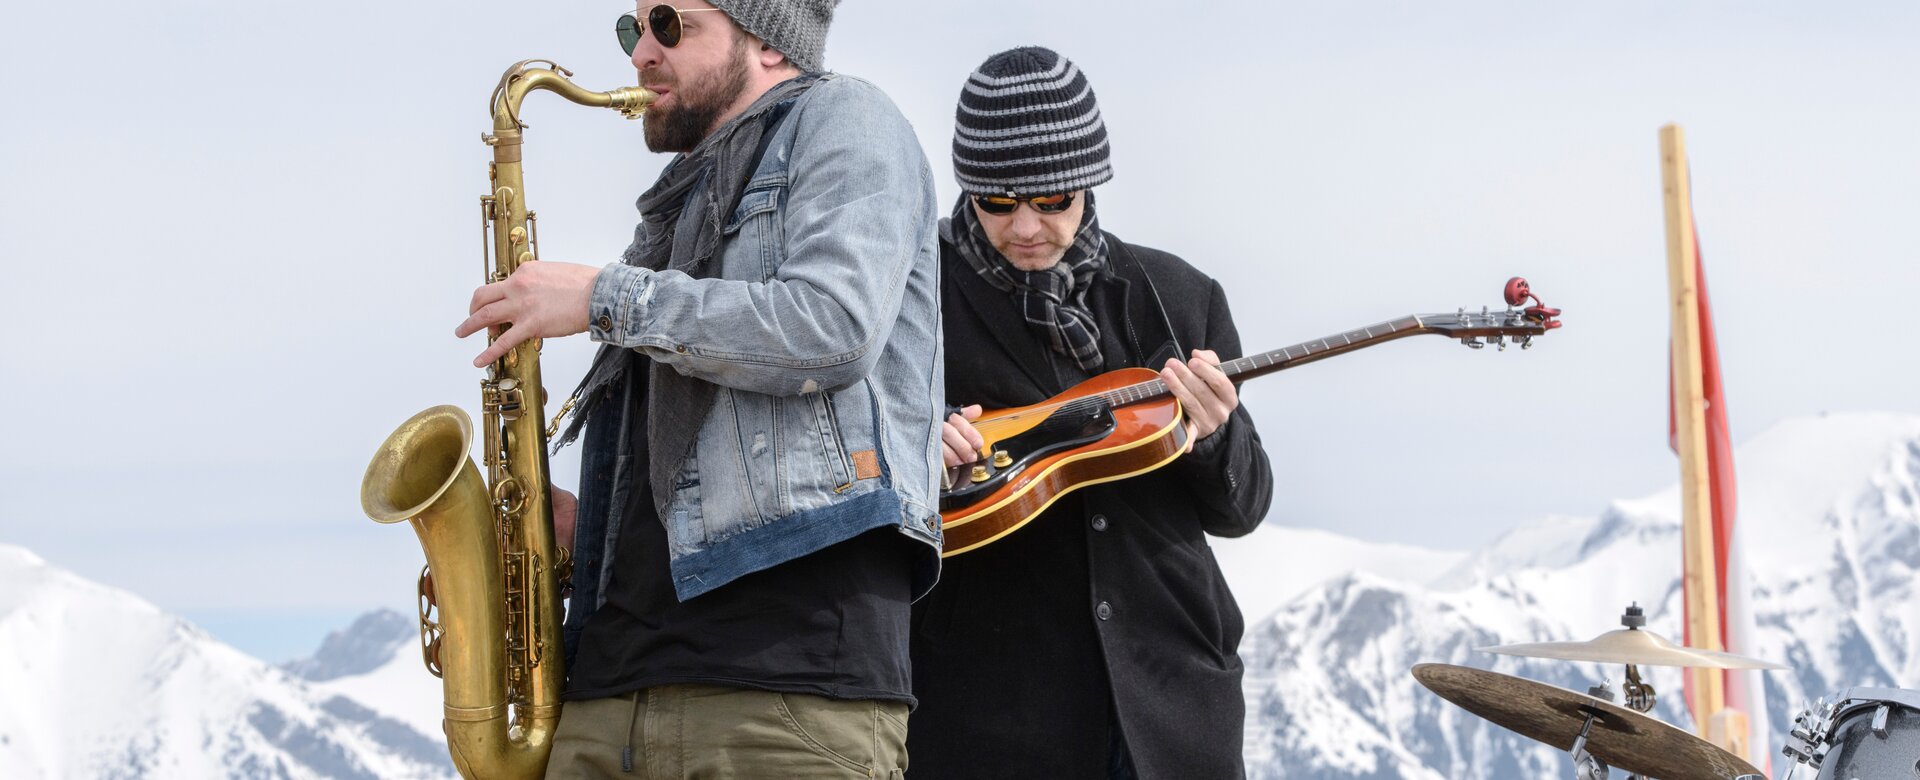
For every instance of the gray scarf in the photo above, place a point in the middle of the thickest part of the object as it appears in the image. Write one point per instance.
(677, 404)
(1053, 301)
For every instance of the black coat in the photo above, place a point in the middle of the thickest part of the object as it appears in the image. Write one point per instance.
(1109, 608)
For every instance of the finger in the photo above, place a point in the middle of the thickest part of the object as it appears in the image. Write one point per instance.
(499, 347)
(970, 433)
(951, 436)
(489, 316)
(1207, 355)
(1194, 395)
(1218, 382)
(1170, 376)
(970, 411)
(955, 446)
(487, 293)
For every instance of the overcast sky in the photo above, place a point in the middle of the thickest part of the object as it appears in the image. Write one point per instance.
(237, 238)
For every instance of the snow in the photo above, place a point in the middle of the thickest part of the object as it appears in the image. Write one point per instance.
(96, 682)
(1275, 564)
(401, 689)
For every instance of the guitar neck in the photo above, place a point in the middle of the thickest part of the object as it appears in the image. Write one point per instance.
(1245, 368)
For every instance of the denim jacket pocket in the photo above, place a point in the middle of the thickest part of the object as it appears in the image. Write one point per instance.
(755, 226)
(833, 446)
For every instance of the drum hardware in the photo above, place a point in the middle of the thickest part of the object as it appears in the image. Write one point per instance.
(1597, 734)
(1585, 766)
(1863, 734)
(1640, 695)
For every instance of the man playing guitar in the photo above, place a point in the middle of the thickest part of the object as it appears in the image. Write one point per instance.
(1100, 639)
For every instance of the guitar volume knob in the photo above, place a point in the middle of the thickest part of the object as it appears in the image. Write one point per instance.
(980, 474)
(1001, 459)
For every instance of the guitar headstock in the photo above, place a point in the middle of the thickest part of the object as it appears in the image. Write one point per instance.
(1517, 324)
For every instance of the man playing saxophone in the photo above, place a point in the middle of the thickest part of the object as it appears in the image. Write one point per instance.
(758, 489)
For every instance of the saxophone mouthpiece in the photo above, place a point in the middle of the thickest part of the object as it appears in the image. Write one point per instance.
(631, 102)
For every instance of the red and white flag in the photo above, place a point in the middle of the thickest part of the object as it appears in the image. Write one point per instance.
(1745, 689)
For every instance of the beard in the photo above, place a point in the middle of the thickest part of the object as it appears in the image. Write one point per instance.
(699, 102)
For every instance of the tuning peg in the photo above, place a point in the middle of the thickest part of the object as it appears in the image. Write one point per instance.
(1526, 342)
(1472, 342)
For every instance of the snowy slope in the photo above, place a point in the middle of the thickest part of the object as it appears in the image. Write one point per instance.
(95, 682)
(376, 661)
(1832, 507)
(1275, 564)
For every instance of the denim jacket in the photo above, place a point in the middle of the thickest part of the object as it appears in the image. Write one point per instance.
(821, 327)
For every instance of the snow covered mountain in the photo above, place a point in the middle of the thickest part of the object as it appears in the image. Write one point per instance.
(1830, 508)
(376, 661)
(97, 683)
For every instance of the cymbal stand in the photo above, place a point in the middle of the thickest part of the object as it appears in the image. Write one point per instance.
(1585, 765)
(1640, 695)
(1639, 698)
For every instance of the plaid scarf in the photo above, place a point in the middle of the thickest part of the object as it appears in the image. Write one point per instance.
(1053, 301)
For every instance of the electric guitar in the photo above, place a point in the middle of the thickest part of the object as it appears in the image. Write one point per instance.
(1125, 423)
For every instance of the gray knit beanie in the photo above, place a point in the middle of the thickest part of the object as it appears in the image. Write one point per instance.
(795, 28)
(1028, 125)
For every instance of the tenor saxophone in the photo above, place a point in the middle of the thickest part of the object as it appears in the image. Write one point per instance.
(489, 595)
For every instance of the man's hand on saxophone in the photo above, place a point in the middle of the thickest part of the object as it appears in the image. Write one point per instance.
(565, 506)
(540, 300)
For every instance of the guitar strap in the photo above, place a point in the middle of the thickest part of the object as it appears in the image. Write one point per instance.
(1135, 273)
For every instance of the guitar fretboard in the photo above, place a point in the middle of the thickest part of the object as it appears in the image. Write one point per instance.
(1241, 369)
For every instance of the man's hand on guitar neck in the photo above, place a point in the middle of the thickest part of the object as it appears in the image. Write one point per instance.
(1204, 392)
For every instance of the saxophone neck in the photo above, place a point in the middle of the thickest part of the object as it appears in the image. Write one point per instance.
(525, 77)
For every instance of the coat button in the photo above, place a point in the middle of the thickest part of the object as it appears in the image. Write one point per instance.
(606, 322)
(1104, 611)
(1099, 522)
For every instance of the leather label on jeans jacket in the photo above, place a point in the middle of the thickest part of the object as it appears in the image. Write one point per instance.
(866, 465)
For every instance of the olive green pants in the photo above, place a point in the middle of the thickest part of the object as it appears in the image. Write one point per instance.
(705, 731)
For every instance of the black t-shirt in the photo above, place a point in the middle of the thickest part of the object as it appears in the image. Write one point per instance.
(833, 623)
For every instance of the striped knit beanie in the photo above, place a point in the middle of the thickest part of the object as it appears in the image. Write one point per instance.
(1028, 125)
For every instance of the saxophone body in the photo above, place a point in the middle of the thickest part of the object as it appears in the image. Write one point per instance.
(490, 595)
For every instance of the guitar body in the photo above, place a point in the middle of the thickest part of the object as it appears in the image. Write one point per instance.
(1069, 441)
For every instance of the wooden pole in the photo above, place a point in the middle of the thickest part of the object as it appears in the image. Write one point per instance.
(1689, 410)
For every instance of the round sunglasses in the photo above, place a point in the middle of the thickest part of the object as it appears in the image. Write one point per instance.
(663, 20)
(1001, 205)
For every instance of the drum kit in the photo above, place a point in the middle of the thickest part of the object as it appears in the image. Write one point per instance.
(1864, 734)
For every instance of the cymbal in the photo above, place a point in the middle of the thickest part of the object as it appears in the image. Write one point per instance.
(1633, 646)
(1624, 739)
